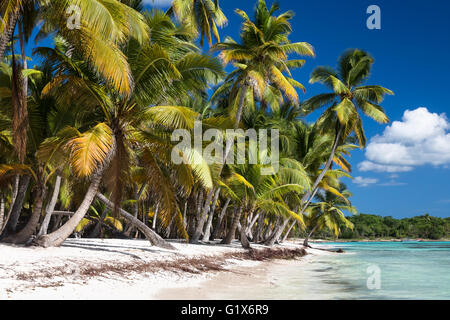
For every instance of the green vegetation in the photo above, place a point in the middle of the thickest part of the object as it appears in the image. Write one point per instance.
(369, 226)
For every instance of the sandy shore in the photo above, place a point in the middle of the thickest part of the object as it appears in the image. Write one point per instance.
(128, 269)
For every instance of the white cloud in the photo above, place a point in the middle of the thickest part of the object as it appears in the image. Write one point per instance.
(371, 166)
(158, 3)
(364, 182)
(420, 138)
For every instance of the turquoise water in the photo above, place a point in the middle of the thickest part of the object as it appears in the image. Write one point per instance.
(397, 270)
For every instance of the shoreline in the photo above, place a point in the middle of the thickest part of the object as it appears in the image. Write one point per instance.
(127, 269)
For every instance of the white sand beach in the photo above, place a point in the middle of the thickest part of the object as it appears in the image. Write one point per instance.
(129, 269)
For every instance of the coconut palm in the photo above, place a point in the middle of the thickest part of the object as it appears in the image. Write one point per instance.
(348, 98)
(203, 16)
(328, 212)
(161, 76)
(104, 25)
(261, 59)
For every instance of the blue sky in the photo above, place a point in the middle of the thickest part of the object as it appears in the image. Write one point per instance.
(411, 58)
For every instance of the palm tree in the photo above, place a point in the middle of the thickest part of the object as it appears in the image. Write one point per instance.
(104, 26)
(161, 76)
(203, 16)
(328, 212)
(261, 59)
(349, 97)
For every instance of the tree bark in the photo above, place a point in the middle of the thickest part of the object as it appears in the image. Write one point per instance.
(219, 220)
(24, 235)
(153, 237)
(306, 241)
(155, 216)
(199, 229)
(207, 232)
(17, 205)
(2, 212)
(244, 241)
(50, 207)
(277, 233)
(231, 233)
(6, 37)
(259, 228)
(96, 231)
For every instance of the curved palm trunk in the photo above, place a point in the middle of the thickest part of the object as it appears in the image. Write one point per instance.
(306, 241)
(57, 237)
(278, 230)
(207, 232)
(11, 225)
(152, 236)
(24, 235)
(219, 220)
(315, 187)
(50, 207)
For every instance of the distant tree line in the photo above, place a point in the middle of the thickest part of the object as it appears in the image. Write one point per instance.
(369, 226)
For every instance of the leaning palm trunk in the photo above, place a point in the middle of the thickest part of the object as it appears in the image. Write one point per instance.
(2, 211)
(153, 237)
(276, 233)
(315, 187)
(24, 235)
(50, 207)
(306, 241)
(16, 208)
(231, 233)
(286, 235)
(57, 237)
(207, 232)
(219, 220)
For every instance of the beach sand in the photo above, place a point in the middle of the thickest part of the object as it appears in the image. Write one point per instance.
(130, 269)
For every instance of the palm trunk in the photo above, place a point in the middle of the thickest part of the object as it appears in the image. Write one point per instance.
(57, 237)
(252, 223)
(153, 237)
(219, 220)
(277, 233)
(50, 207)
(231, 233)
(6, 37)
(207, 232)
(17, 205)
(315, 187)
(155, 216)
(259, 228)
(289, 231)
(244, 240)
(24, 235)
(199, 229)
(2, 211)
(306, 241)
(96, 231)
